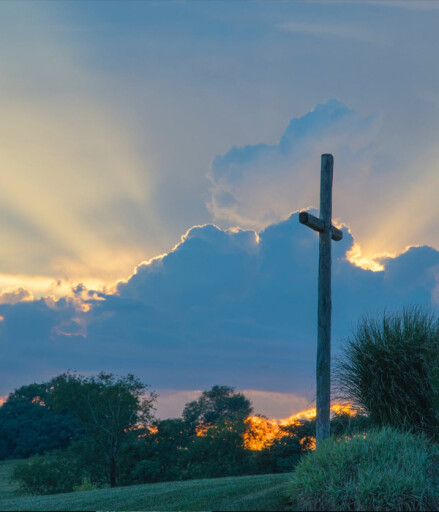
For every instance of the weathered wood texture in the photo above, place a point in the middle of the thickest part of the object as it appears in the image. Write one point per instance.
(318, 225)
(327, 233)
(323, 368)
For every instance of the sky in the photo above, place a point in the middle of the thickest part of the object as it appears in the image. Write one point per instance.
(154, 156)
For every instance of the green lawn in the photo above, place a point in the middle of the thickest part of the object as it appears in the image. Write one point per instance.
(7, 489)
(261, 492)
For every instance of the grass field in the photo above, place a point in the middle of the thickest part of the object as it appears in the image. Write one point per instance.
(261, 492)
(7, 489)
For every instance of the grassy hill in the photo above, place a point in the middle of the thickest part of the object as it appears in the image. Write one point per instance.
(7, 489)
(261, 492)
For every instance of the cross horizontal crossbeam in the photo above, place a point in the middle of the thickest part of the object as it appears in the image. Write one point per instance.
(319, 225)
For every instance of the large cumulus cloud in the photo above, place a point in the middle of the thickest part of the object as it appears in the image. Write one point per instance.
(224, 306)
(257, 184)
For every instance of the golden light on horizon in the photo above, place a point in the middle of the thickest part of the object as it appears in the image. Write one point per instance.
(77, 187)
(263, 432)
(310, 442)
(307, 414)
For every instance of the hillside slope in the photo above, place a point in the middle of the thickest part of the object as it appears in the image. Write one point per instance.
(261, 492)
(7, 488)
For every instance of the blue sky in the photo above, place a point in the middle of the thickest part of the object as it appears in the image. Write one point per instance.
(126, 124)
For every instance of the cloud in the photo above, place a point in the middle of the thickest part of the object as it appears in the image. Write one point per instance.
(374, 187)
(234, 307)
(30, 347)
(421, 5)
(75, 188)
(276, 405)
(13, 296)
(171, 402)
(352, 33)
(105, 142)
(260, 184)
(271, 404)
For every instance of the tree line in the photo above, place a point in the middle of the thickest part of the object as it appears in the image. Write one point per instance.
(78, 432)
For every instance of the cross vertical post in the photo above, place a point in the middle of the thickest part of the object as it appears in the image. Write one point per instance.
(327, 232)
(323, 367)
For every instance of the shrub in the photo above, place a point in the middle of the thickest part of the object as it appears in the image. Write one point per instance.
(48, 474)
(380, 470)
(343, 424)
(86, 485)
(389, 369)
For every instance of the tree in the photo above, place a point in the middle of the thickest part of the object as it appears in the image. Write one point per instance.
(285, 452)
(109, 408)
(219, 450)
(218, 418)
(158, 456)
(219, 402)
(29, 425)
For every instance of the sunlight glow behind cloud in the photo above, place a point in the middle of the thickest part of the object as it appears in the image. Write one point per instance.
(255, 185)
(222, 306)
(72, 184)
(110, 118)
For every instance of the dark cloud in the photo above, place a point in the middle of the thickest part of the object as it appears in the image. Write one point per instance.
(30, 346)
(232, 307)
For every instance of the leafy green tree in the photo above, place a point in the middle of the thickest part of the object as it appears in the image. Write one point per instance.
(219, 450)
(220, 402)
(109, 408)
(160, 455)
(216, 423)
(29, 425)
(36, 393)
(285, 452)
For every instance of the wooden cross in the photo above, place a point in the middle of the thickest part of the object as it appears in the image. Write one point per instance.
(327, 232)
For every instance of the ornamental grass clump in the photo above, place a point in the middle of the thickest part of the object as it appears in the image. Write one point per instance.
(389, 369)
(381, 470)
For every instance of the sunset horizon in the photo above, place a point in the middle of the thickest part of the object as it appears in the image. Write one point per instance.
(155, 159)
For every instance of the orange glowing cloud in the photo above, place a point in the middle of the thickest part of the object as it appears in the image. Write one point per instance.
(310, 414)
(262, 431)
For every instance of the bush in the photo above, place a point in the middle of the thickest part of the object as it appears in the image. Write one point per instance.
(389, 368)
(48, 474)
(85, 486)
(380, 470)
